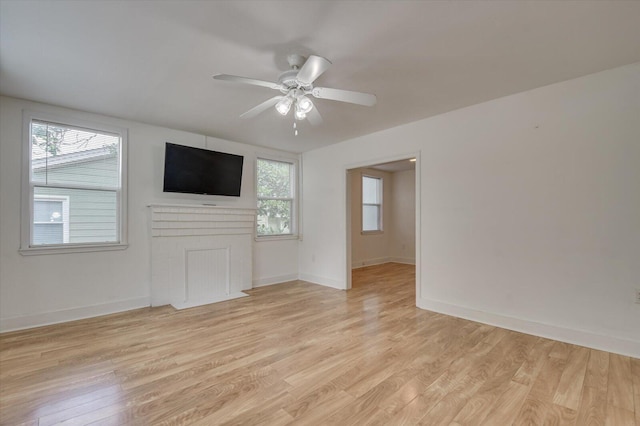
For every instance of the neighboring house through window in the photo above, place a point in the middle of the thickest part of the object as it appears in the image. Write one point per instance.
(371, 204)
(276, 198)
(75, 192)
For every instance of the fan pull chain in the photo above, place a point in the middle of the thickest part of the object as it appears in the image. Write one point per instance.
(295, 130)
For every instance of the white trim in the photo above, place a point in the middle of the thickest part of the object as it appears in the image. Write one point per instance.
(381, 261)
(281, 279)
(357, 264)
(324, 281)
(404, 260)
(418, 247)
(209, 300)
(348, 176)
(264, 238)
(72, 314)
(380, 205)
(71, 248)
(588, 339)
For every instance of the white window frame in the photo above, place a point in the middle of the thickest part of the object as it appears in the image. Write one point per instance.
(380, 205)
(65, 212)
(293, 235)
(26, 246)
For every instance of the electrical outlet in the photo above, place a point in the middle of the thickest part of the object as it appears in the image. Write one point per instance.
(637, 295)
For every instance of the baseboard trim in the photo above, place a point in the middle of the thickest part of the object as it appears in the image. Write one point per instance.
(327, 282)
(357, 264)
(577, 337)
(210, 300)
(405, 260)
(65, 315)
(263, 282)
(381, 261)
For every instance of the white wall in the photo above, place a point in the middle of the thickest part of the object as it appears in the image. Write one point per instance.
(43, 289)
(529, 209)
(402, 244)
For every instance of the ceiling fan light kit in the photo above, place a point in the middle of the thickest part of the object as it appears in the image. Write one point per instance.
(296, 84)
(304, 104)
(284, 105)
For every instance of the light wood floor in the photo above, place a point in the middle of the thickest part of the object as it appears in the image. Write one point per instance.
(299, 353)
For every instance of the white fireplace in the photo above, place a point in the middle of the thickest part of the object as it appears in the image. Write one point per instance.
(200, 254)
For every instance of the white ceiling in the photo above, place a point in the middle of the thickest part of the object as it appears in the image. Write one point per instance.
(395, 166)
(153, 61)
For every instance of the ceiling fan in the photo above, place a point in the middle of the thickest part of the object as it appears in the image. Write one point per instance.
(295, 85)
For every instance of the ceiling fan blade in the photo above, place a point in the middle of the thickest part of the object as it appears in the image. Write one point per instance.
(314, 117)
(245, 80)
(312, 69)
(261, 108)
(359, 98)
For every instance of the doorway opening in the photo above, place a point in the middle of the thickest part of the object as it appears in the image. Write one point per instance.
(383, 215)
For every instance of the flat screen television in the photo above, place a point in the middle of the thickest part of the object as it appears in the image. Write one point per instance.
(201, 171)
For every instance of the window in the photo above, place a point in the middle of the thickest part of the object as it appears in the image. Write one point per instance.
(276, 201)
(371, 204)
(50, 220)
(74, 191)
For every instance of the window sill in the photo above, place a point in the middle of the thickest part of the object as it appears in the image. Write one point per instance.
(371, 232)
(71, 248)
(276, 237)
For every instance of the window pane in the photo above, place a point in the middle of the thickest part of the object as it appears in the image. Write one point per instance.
(48, 233)
(274, 217)
(274, 179)
(92, 215)
(66, 155)
(370, 218)
(371, 190)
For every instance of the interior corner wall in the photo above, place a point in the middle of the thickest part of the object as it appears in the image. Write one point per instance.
(529, 209)
(402, 242)
(43, 289)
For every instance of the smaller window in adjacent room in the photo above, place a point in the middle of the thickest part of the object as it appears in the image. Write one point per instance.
(371, 204)
(74, 185)
(276, 198)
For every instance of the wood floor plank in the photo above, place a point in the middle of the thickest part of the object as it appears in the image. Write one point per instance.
(560, 416)
(545, 385)
(532, 412)
(508, 405)
(316, 413)
(617, 416)
(482, 402)
(593, 407)
(569, 388)
(597, 373)
(530, 368)
(620, 388)
(635, 377)
(299, 353)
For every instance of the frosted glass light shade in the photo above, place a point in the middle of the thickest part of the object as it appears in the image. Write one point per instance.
(284, 105)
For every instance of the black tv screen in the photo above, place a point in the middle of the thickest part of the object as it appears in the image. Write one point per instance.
(201, 171)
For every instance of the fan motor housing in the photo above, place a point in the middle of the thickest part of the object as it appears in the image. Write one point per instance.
(288, 80)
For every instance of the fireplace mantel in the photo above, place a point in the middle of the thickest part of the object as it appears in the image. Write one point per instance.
(200, 254)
